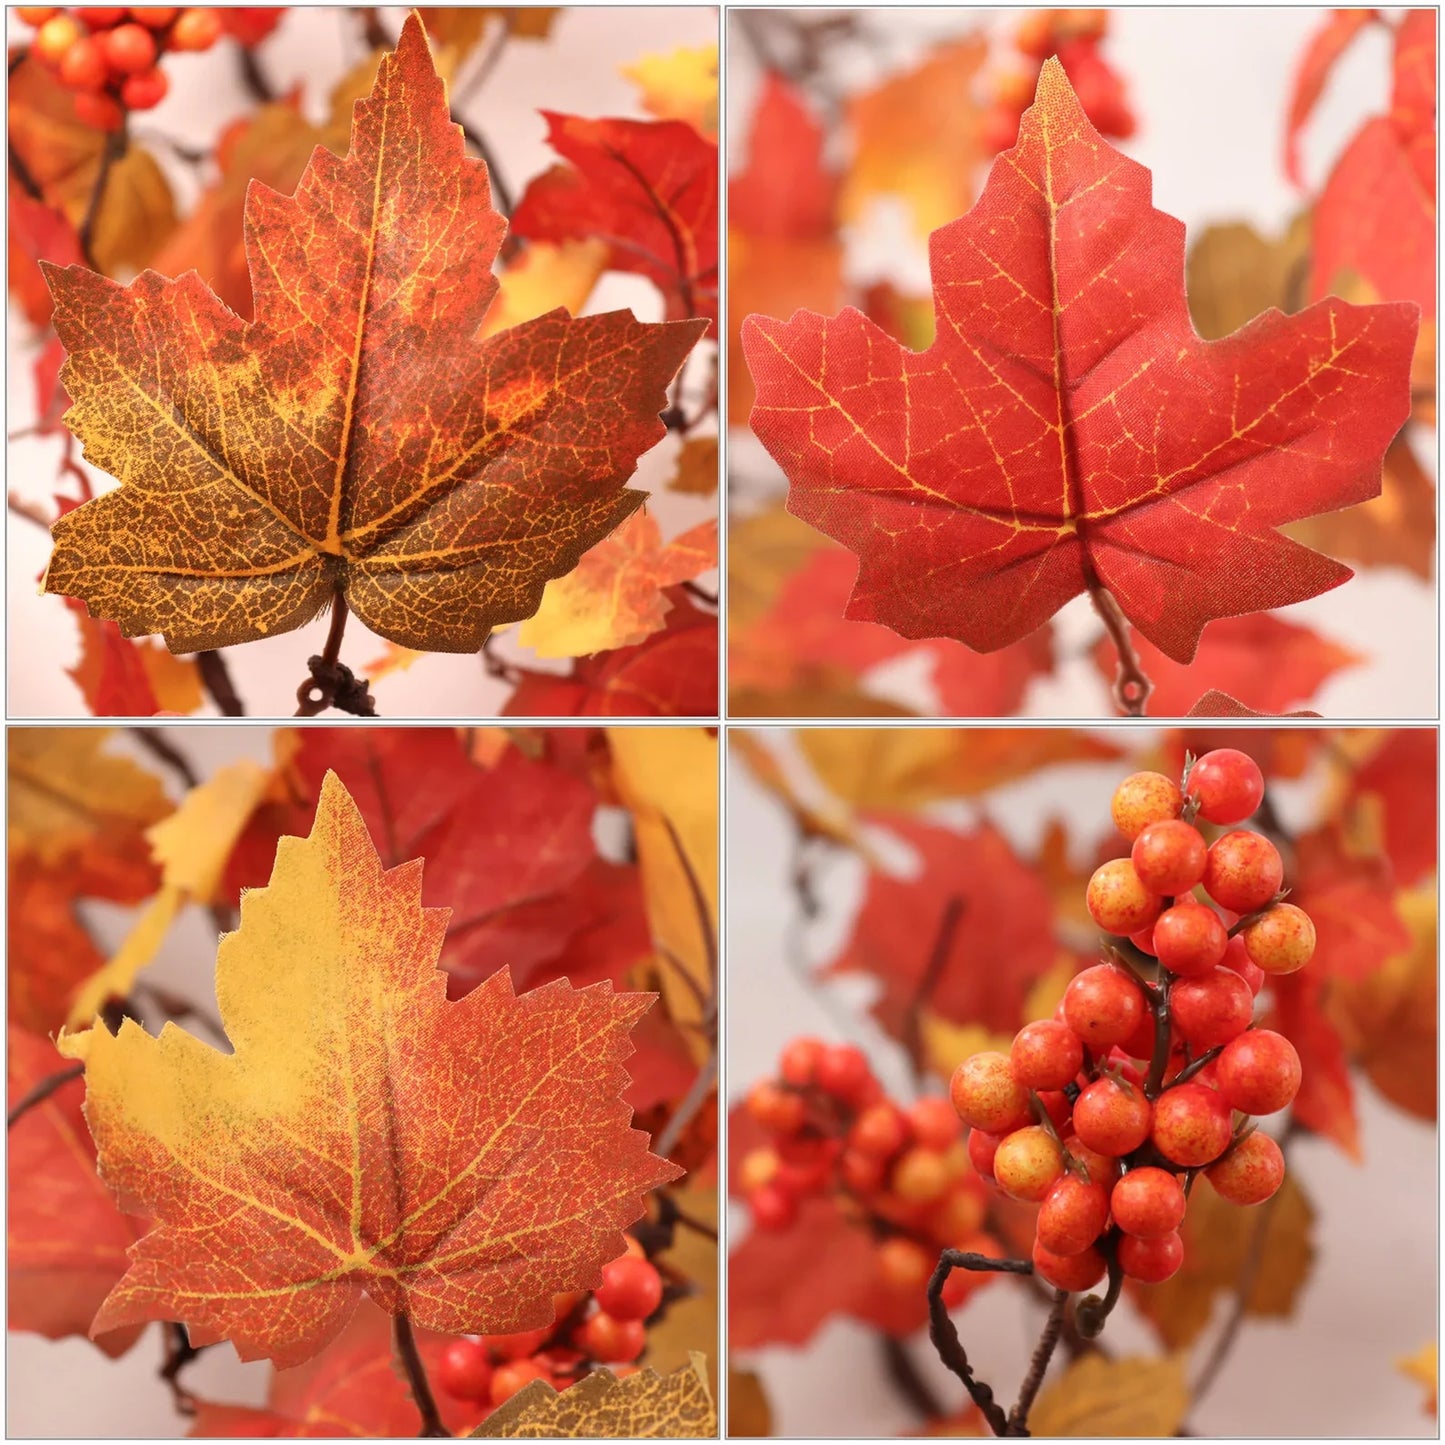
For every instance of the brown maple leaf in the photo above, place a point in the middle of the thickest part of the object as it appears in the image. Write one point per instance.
(356, 439)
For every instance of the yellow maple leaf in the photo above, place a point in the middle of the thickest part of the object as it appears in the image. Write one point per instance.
(1123, 1398)
(191, 846)
(613, 597)
(644, 1406)
(544, 276)
(667, 779)
(679, 85)
(1424, 1366)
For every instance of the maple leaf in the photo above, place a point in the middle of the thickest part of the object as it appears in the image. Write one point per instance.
(37, 233)
(459, 1162)
(1068, 431)
(646, 187)
(48, 951)
(600, 1406)
(545, 276)
(121, 678)
(355, 438)
(66, 1240)
(1327, 46)
(1424, 1366)
(614, 596)
(1006, 919)
(1326, 1099)
(806, 645)
(672, 674)
(1215, 703)
(1218, 1238)
(1261, 657)
(917, 137)
(1102, 1397)
(1399, 779)
(679, 84)
(509, 844)
(62, 156)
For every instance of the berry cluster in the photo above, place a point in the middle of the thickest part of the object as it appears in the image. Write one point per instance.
(607, 1327)
(901, 1172)
(1104, 1114)
(1074, 36)
(110, 57)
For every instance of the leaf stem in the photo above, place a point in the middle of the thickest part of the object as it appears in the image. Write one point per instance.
(332, 683)
(410, 1358)
(1132, 685)
(47, 1086)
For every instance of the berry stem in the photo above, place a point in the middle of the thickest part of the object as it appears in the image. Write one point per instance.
(1258, 913)
(1198, 1065)
(1091, 1312)
(410, 1358)
(1018, 1419)
(1157, 1065)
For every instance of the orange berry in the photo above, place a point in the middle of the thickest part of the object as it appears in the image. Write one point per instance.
(1282, 940)
(129, 49)
(1073, 1272)
(935, 1124)
(99, 112)
(905, 1264)
(1141, 799)
(100, 17)
(197, 29)
(986, 1095)
(1118, 900)
(145, 89)
(155, 17)
(36, 14)
(515, 1376)
(1249, 1173)
(54, 38)
(758, 1167)
(921, 1176)
(1029, 1162)
(83, 66)
(611, 1341)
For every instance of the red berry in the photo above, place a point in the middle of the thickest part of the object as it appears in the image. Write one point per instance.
(1072, 1216)
(610, 1341)
(36, 14)
(518, 1345)
(101, 17)
(804, 1166)
(1144, 940)
(83, 67)
(144, 90)
(921, 1176)
(960, 1212)
(1151, 1261)
(1035, 34)
(778, 1110)
(772, 1208)
(1281, 940)
(880, 1131)
(1169, 857)
(1073, 1272)
(982, 1149)
(1211, 1009)
(98, 111)
(1249, 1173)
(1118, 901)
(1259, 1072)
(1244, 871)
(1227, 784)
(465, 1371)
(1237, 960)
(631, 1289)
(799, 1061)
(862, 1173)
(1142, 799)
(1111, 1117)
(129, 49)
(987, 1096)
(513, 1377)
(155, 17)
(842, 1070)
(1057, 1107)
(1103, 1006)
(1093, 1167)
(1029, 1162)
(1191, 1125)
(756, 1168)
(1190, 938)
(934, 1123)
(904, 1263)
(1046, 1055)
(197, 29)
(1148, 1203)
(54, 38)
(1140, 1044)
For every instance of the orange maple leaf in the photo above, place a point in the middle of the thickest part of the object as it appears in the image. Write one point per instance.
(459, 1162)
(356, 438)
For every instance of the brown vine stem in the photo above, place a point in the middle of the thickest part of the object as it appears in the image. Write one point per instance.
(115, 147)
(1018, 1419)
(1132, 685)
(944, 1333)
(407, 1352)
(47, 1086)
(216, 679)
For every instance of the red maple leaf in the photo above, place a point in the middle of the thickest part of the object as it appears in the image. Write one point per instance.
(1351, 900)
(1002, 943)
(1402, 776)
(1215, 703)
(646, 187)
(1068, 431)
(672, 674)
(806, 633)
(1261, 658)
(1326, 1099)
(508, 847)
(66, 1239)
(1326, 47)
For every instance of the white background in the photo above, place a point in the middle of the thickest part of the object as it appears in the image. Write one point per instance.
(1370, 1298)
(574, 71)
(1209, 87)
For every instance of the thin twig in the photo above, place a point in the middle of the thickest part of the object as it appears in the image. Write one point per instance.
(912, 1030)
(216, 679)
(1018, 1419)
(47, 1086)
(410, 1358)
(696, 1096)
(1132, 685)
(179, 1352)
(908, 1381)
(155, 743)
(31, 511)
